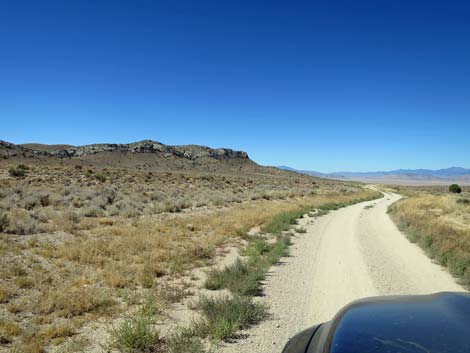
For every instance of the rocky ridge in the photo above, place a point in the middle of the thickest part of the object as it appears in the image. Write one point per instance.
(191, 152)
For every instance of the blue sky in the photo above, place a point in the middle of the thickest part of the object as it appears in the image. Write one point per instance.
(322, 85)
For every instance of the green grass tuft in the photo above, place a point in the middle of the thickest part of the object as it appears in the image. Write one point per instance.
(222, 317)
(184, 340)
(242, 278)
(283, 221)
(136, 335)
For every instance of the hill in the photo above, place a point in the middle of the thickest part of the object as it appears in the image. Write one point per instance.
(143, 155)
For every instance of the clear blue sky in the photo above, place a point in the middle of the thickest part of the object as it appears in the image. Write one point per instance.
(322, 85)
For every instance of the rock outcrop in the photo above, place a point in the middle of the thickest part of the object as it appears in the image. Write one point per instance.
(191, 152)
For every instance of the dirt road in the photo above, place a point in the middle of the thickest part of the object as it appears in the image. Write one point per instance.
(348, 254)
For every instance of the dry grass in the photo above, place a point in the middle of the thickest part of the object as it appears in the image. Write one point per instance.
(440, 224)
(73, 246)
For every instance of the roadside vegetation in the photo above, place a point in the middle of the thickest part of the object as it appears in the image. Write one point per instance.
(77, 249)
(439, 221)
(244, 277)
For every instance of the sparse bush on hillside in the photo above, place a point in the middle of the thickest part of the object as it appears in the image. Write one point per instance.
(72, 216)
(110, 194)
(18, 172)
(30, 202)
(100, 177)
(464, 202)
(172, 205)
(44, 198)
(22, 223)
(5, 294)
(4, 222)
(92, 211)
(202, 201)
(217, 199)
(127, 208)
(157, 196)
(454, 188)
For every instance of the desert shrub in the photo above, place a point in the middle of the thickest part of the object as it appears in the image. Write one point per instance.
(72, 216)
(464, 202)
(92, 211)
(5, 294)
(279, 249)
(112, 210)
(217, 199)
(136, 335)
(4, 221)
(202, 201)
(8, 330)
(100, 177)
(240, 277)
(454, 188)
(21, 222)
(150, 306)
(43, 215)
(71, 190)
(99, 201)
(244, 276)
(164, 206)
(184, 341)
(44, 199)
(148, 272)
(30, 202)
(110, 195)
(256, 247)
(18, 172)
(67, 220)
(127, 208)
(182, 203)
(172, 205)
(223, 316)
(157, 196)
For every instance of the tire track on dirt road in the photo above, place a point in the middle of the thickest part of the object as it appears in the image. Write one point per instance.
(350, 253)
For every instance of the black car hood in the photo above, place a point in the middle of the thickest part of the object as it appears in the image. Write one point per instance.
(437, 323)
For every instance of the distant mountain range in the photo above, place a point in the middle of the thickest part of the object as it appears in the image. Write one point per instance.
(399, 176)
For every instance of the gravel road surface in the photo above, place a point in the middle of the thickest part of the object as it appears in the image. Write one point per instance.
(350, 253)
